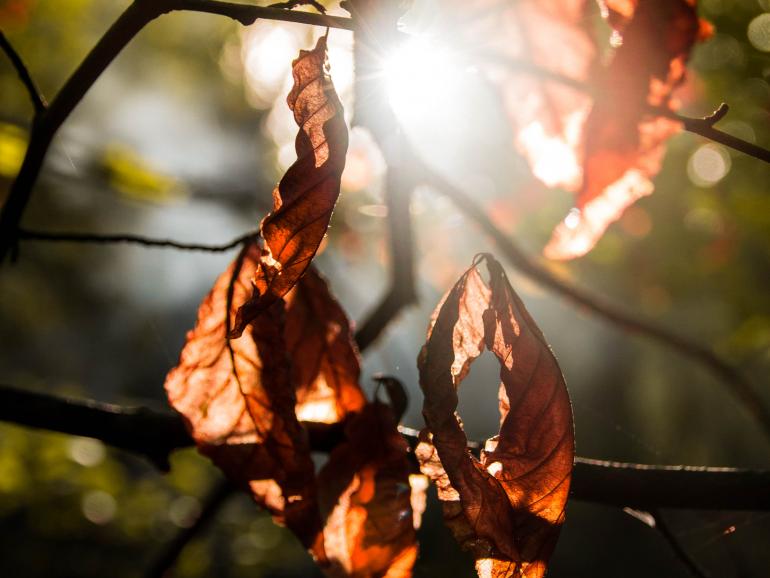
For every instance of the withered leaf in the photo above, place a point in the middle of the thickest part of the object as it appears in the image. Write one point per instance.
(241, 399)
(324, 358)
(366, 494)
(624, 140)
(304, 199)
(508, 506)
(238, 402)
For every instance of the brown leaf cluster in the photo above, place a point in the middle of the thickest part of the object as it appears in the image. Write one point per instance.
(241, 400)
(508, 506)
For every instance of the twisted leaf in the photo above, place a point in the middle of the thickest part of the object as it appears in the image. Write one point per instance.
(304, 199)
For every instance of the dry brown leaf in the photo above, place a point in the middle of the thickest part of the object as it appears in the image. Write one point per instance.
(304, 199)
(507, 507)
(238, 402)
(366, 494)
(324, 358)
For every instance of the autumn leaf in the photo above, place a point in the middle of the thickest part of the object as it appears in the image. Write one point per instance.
(241, 400)
(508, 506)
(237, 400)
(366, 496)
(624, 139)
(304, 199)
(325, 363)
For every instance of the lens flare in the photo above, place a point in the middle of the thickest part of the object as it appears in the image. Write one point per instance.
(423, 81)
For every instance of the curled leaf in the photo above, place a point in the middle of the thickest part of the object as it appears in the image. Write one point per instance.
(304, 199)
(325, 364)
(238, 402)
(366, 494)
(508, 506)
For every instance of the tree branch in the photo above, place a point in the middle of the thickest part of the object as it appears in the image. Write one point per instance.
(100, 239)
(155, 435)
(737, 384)
(128, 24)
(38, 101)
(378, 32)
(247, 14)
(705, 128)
(402, 291)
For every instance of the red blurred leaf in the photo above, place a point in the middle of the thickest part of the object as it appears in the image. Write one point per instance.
(238, 402)
(325, 364)
(364, 492)
(304, 199)
(624, 141)
(507, 507)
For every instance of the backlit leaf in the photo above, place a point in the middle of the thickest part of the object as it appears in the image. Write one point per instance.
(508, 506)
(304, 199)
(238, 402)
(241, 399)
(366, 494)
(325, 364)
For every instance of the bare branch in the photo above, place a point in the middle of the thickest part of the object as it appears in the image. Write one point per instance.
(128, 24)
(688, 561)
(38, 101)
(705, 128)
(247, 14)
(96, 238)
(167, 557)
(155, 435)
(402, 291)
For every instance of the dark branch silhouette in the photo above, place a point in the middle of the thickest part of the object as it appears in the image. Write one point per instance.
(155, 434)
(38, 101)
(247, 14)
(101, 239)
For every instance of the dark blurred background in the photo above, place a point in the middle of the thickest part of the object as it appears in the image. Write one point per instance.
(184, 136)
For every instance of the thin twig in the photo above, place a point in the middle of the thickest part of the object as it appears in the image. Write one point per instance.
(705, 128)
(156, 434)
(37, 98)
(129, 23)
(737, 383)
(211, 504)
(100, 239)
(247, 14)
(685, 558)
